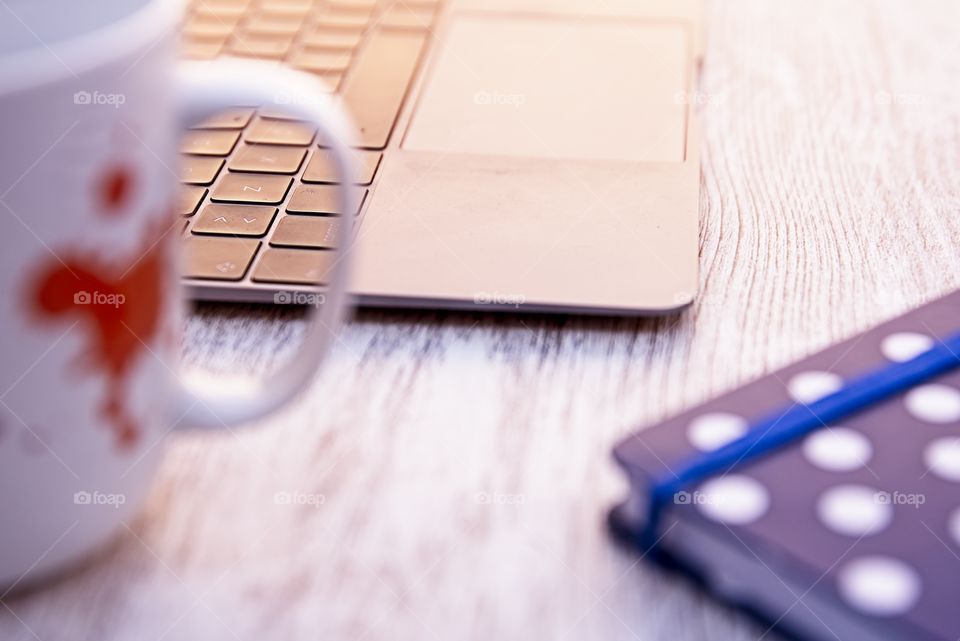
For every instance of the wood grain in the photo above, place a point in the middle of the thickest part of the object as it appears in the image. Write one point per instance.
(462, 460)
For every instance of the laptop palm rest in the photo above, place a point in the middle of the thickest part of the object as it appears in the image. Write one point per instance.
(556, 87)
(548, 162)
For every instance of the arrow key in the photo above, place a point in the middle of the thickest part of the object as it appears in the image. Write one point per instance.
(234, 220)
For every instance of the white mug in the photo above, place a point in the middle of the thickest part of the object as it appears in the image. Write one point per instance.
(91, 103)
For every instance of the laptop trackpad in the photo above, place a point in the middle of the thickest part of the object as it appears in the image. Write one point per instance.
(556, 88)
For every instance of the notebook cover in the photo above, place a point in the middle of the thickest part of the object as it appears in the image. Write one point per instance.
(866, 517)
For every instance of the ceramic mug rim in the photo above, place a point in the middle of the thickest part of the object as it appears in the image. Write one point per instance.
(37, 66)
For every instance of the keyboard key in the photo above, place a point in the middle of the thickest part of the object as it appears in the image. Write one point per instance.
(332, 39)
(207, 10)
(208, 142)
(287, 6)
(320, 200)
(378, 83)
(280, 132)
(222, 4)
(306, 231)
(357, 9)
(219, 5)
(199, 170)
(231, 119)
(268, 159)
(276, 113)
(344, 20)
(190, 198)
(320, 167)
(331, 79)
(219, 258)
(197, 50)
(234, 220)
(322, 60)
(261, 47)
(353, 4)
(288, 9)
(214, 28)
(251, 188)
(294, 266)
(287, 25)
(402, 16)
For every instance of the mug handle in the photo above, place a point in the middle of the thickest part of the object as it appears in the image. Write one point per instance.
(205, 89)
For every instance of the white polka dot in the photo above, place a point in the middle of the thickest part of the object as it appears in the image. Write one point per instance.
(934, 403)
(879, 585)
(734, 499)
(954, 526)
(808, 387)
(854, 510)
(903, 346)
(942, 457)
(710, 431)
(837, 449)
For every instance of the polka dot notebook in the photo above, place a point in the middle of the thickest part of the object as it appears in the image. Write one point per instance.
(849, 531)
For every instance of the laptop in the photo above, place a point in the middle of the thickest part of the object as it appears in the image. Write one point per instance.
(532, 155)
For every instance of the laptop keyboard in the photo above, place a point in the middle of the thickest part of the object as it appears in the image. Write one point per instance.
(258, 189)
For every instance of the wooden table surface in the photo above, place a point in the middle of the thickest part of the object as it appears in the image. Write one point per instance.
(453, 470)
